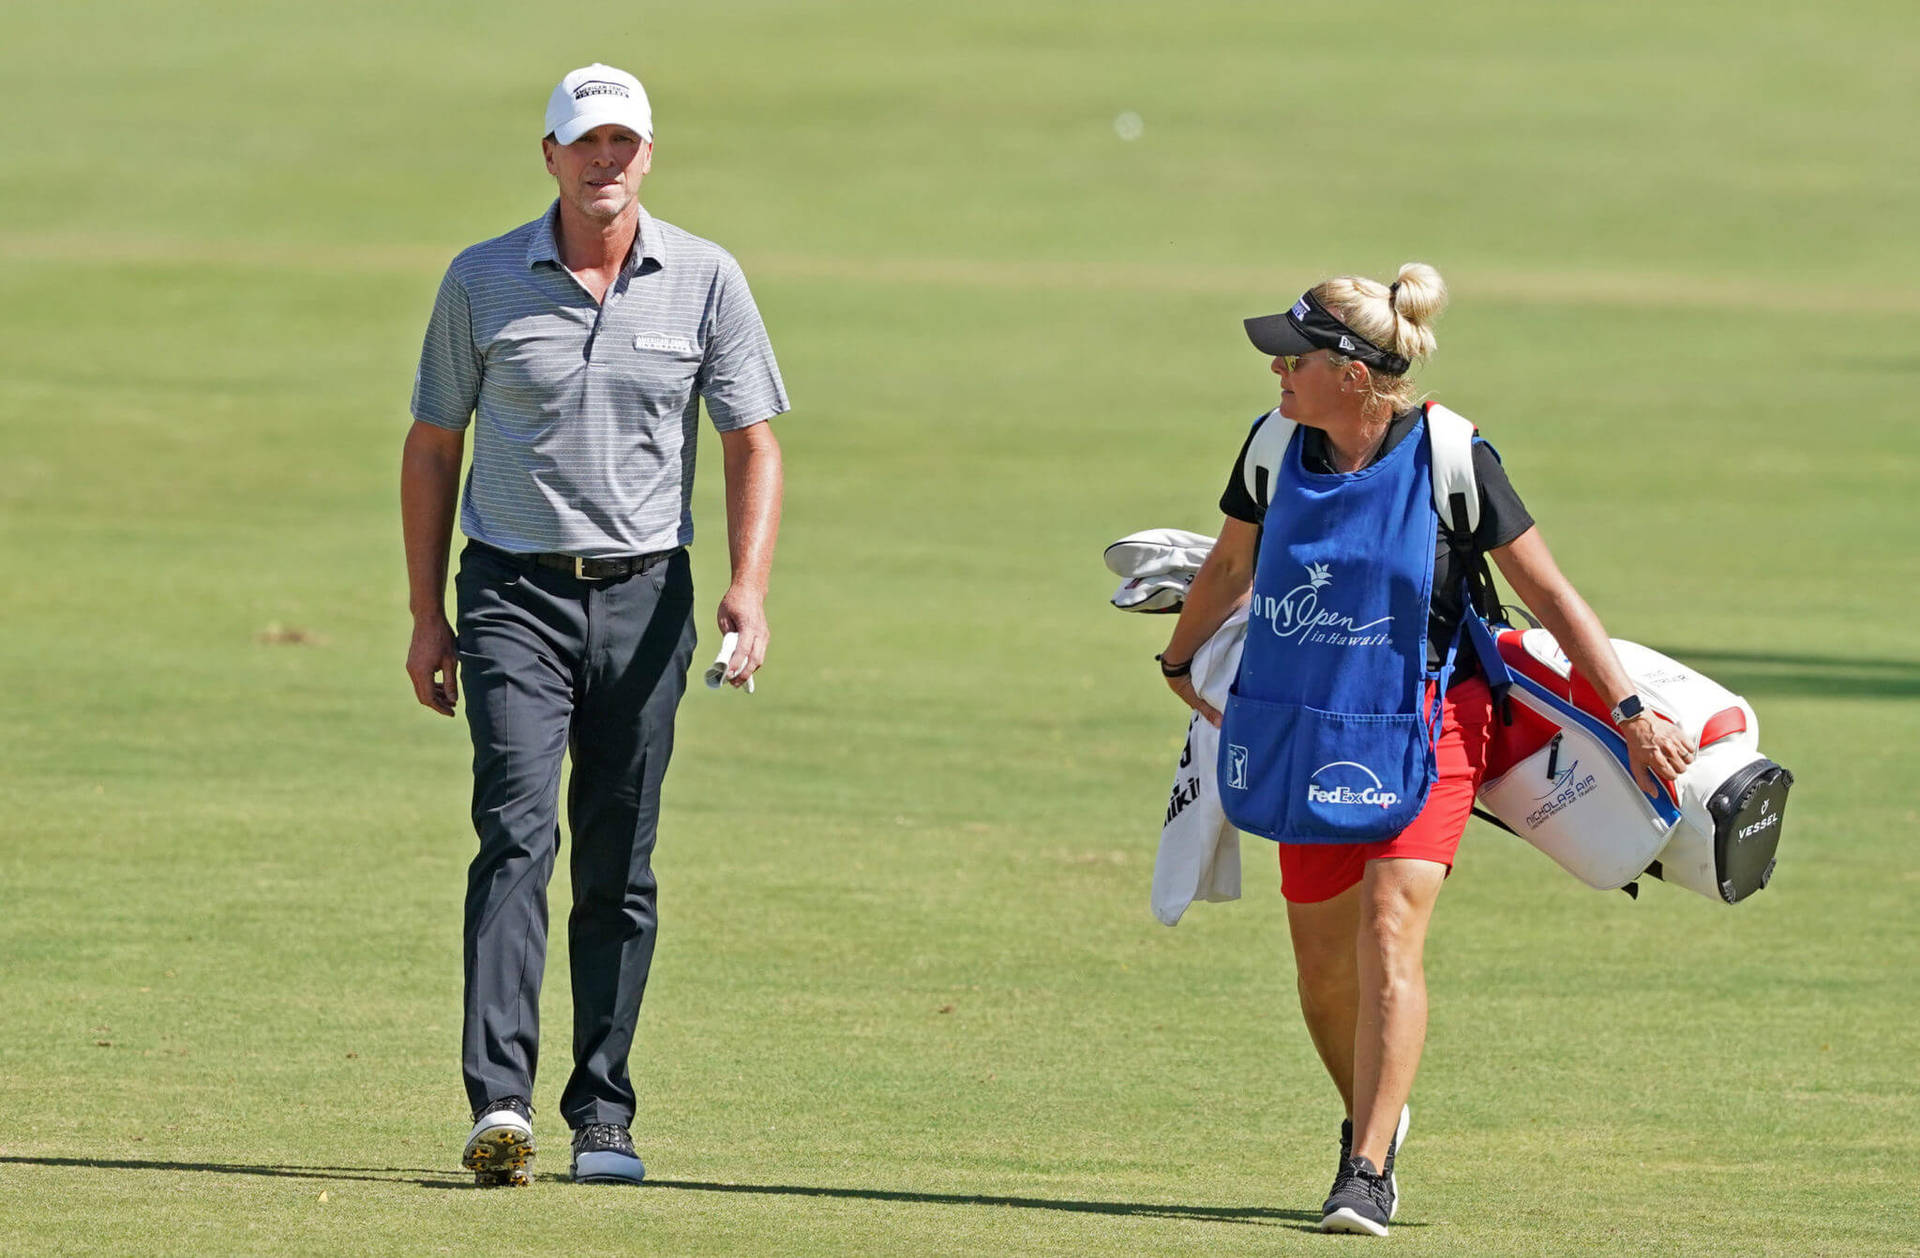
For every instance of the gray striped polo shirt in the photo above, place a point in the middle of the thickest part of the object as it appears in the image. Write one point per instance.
(588, 414)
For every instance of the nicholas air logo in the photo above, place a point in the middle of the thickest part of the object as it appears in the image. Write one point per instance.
(1565, 787)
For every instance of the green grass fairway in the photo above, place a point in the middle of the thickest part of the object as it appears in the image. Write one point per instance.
(909, 998)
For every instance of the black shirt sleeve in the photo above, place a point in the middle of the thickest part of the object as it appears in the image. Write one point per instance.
(1503, 516)
(1235, 501)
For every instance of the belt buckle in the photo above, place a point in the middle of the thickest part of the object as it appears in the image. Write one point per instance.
(580, 569)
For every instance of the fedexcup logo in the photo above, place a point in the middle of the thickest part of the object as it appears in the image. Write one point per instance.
(1298, 615)
(1363, 786)
(1236, 766)
(600, 87)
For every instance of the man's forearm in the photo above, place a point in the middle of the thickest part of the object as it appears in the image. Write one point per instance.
(429, 490)
(755, 484)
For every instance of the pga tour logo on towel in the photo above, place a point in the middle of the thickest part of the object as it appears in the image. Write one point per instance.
(1236, 767)
(1348, 782)
(1297, 614)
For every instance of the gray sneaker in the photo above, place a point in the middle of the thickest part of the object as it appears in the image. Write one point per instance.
(603, 1154)
(500, 1146)
(1361, 1201)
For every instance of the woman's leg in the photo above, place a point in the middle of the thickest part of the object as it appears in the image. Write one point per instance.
(1394, 902)
(1324, 969)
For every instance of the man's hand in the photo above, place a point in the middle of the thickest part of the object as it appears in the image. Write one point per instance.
(433, 666)
(744, 611)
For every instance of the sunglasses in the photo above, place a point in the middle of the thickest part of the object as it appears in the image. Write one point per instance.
(1291, 362)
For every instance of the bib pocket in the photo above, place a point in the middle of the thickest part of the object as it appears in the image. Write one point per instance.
(1296, 774)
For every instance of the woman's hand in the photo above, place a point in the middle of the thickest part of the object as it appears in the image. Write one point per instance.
(1656, 752)
(1183, 686)
(1221, 585)
(1656, 749)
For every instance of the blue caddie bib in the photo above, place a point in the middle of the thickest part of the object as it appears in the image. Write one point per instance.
(1328, 732)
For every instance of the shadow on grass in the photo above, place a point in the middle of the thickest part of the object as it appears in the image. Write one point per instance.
(1815, 676)
(375, 1174)
(1259, 1216)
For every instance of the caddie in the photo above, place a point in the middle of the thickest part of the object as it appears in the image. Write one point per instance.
(1349, 735)
(578, 349)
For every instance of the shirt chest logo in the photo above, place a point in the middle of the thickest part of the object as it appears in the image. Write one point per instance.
(662, 343)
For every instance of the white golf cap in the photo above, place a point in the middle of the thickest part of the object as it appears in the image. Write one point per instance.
(594, 96)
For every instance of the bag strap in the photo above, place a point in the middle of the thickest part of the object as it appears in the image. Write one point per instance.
(1456, 494)
(1268, 447)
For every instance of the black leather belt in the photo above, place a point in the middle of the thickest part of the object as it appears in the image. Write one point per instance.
(588, 569)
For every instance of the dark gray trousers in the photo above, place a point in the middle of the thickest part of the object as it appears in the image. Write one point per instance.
(551, 665)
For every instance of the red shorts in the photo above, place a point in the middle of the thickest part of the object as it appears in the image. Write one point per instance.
(1312, 872)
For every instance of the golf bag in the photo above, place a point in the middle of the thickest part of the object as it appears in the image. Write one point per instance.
(1557, 772)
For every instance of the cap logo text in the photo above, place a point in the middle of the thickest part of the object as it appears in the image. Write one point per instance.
(600, 87)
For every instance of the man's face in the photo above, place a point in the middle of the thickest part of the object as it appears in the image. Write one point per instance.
(599, 174)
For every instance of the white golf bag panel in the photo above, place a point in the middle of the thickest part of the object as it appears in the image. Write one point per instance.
(1558, 778)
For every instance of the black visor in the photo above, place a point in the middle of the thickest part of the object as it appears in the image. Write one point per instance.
(1310, 326)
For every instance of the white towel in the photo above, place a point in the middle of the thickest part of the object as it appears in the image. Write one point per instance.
(1199, 857)
(717, 671)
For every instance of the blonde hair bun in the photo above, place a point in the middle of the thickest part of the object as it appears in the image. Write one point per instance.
(1396, 317)
(1419, 294)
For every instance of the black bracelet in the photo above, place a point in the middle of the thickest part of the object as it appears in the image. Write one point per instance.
(1173, 670)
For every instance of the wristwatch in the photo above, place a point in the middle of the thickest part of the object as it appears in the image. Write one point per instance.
(1627, 709)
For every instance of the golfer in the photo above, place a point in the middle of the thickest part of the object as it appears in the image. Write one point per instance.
(578, 347)
(1357, 730)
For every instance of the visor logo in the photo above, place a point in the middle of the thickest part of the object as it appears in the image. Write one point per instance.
(1346, 346)
(1300, 308)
